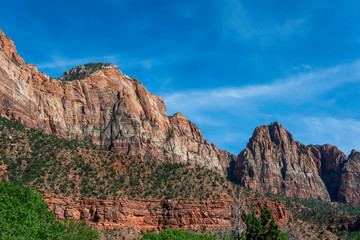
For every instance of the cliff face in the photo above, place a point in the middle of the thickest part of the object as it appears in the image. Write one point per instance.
(349, 191)
(332, 161)
(155, 214)
(97, 102)
(273, 162)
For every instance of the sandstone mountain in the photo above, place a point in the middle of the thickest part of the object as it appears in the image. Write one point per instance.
(97, 102)
(274, 162)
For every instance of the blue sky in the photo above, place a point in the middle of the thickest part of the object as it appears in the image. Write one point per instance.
(228, 65)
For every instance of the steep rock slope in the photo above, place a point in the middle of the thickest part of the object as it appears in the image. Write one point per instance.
(97, 102)
(349, 190)
(273, 162)
(332, 161)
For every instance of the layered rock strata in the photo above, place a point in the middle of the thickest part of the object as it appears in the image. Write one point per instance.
(157, 214)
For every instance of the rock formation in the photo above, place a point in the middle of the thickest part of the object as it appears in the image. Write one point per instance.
(349, 191)
(97, 102)
(156, 214)
(273, 162)
(100, 104)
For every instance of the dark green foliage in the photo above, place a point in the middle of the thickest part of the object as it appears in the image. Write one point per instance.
(263, 227)
(177, 234)
(24, 215)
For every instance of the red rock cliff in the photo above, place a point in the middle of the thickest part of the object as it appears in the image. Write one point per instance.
(155, 214)
(104, 106)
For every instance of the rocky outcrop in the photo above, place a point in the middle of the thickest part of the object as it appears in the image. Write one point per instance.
(273, 162)
(349, 191)
(97, 102)
(156, 214)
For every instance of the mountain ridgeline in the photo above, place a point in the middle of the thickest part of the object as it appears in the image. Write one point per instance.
(99, 104)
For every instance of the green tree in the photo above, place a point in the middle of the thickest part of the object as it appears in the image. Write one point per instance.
(24, 215)
(263, 227)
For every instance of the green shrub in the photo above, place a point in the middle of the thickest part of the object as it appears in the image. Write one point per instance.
(24, 215)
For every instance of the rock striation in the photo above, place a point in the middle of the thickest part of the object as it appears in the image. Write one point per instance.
(98, 103)
(157, 214)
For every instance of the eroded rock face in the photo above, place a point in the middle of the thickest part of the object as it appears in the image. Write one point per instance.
(273, 162)
(103, 106)
(157, 214)
(349, 191)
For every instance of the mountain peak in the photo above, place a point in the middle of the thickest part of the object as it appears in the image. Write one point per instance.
(273, 132)
(85, 70)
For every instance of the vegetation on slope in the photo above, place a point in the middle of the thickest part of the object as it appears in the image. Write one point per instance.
(322, 214)
(72, 168)
(24, 215)
(83, 71)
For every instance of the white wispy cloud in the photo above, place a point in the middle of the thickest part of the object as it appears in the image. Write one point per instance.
(239, 109)
(341, 132)
(295, 89)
